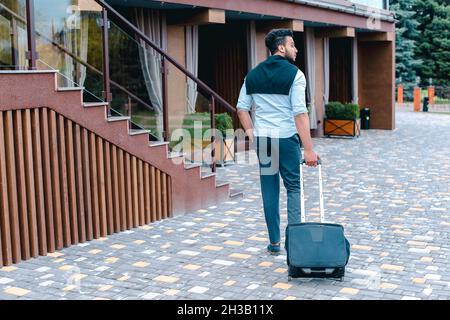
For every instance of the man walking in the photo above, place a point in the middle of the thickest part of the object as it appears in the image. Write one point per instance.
(277, 88)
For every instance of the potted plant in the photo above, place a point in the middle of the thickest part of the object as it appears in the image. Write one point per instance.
(199, 141)
(342, 119)
(225, 149)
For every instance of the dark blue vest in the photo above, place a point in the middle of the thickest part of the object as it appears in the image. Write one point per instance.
(275, 75)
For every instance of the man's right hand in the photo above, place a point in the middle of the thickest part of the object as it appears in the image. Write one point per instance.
(311, 158)
(250, 135)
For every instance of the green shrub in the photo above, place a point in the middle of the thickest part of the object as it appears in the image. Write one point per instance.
(334, 109)
(190, 120)
(337, 110)
(224, 122)
(351, 111)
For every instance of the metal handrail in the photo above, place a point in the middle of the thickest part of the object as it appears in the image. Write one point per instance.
(147, 40)
(77, 59)
(106, 9)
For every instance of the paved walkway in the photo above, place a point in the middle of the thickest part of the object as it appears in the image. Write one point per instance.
(409, 106)
(390, 190)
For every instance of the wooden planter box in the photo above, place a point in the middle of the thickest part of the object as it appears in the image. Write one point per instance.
(225, 151)
(346, 128)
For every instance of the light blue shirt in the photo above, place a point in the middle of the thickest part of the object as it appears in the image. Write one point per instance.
(274, 113)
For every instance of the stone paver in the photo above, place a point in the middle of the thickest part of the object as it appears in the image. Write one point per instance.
(389, 189)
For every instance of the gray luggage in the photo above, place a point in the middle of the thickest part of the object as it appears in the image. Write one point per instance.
(316, 250)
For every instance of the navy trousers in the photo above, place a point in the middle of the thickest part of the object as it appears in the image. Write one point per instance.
(279, 156)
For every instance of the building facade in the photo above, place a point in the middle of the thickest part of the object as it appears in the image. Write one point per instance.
(93, 92)
(346, 50)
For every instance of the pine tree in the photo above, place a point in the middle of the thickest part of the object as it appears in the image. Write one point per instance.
(434, 46)
(406, 36)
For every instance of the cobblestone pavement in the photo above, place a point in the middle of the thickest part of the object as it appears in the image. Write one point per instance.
(390, 190)
(431, 108)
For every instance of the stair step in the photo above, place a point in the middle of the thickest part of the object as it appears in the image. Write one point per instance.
(176, 155)
(94, 104)
(234, 193)
(192, 165)
(134, 132)
(70, 89)
(221, 183)
(157, 143)
(112, 119)
(26, 71)
(208, 175)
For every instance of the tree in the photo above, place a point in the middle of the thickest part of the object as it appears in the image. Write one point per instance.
(434, 45)
(406, 37)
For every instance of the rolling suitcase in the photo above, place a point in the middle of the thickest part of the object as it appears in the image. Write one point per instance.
(316, 250)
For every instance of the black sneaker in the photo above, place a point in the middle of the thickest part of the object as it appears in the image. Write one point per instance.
(273, 249)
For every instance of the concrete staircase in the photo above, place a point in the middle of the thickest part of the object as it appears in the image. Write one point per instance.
(191, 189)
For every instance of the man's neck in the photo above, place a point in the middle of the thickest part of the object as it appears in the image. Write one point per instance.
(280, 54)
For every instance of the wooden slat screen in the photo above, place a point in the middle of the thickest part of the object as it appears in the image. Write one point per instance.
(61, 184)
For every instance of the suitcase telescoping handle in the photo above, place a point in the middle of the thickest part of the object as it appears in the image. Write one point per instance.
(302, 194)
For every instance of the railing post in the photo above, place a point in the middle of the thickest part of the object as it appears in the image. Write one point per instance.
(106, 78)
(31, 55)
(213, 134)
(400, 94)
(14, 44)
(129, 111)
(416, 99)
(128, 106)
(164, 100)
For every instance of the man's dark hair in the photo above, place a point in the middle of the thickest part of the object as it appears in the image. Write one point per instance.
(277, 37)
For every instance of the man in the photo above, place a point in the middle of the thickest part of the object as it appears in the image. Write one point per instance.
(277, 88)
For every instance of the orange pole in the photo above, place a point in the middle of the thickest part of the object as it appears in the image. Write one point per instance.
(400, 93)
(416, 99)
(431, 95)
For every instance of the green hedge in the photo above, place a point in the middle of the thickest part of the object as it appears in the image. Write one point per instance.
(224, 122)
(337, 110)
